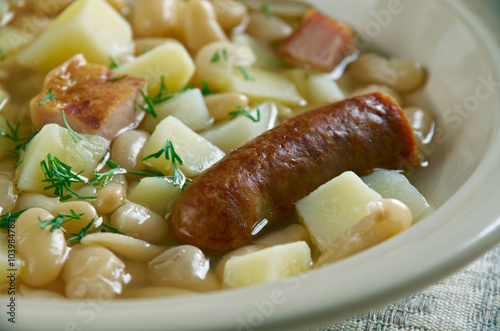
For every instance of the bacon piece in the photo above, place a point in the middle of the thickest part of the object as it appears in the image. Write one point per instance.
(95, 100)
(320, 42)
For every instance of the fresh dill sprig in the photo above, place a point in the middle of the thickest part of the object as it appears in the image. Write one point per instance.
(59, 177)
(75, 136)
(216, 57)
(106, 176)
(162, 95)
(242, 111)
(59, 220)
(205, 90)
(5, 219)
(113, 62)
(245, 73)
(116, 78)
(82, 233)
(49, 96)
(148, 173)
(179, 178)
(266, 9)
(148, 107)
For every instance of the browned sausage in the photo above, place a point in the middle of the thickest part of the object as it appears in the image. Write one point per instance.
(260, 182)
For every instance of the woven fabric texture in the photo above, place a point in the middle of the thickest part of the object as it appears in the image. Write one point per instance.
(468, 300)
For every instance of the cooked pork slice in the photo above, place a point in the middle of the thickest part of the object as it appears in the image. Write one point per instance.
(94, 99)
(320, 42)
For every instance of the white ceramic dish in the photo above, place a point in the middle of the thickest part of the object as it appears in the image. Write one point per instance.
(463, 182)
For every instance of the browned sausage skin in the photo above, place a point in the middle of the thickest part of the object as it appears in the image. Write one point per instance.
(260, 182)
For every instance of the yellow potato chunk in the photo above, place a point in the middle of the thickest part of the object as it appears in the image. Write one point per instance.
(196, 152)
(394, 185)
(240, 130)
(91, 27)
(53, 139)
(155, 193)
(334, 207)
(188, 106)
(268, 264)
(170, 60)
(260, 84)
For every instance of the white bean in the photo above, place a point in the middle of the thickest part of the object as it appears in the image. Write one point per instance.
(200, 25)
(73, 227)
(221, 104)
(8, 193)
(421, 122)
(401, 75)
(386, 218)
(93, 272)
(267, 28)
(127, 149)
(230, 55)
(155, 18)
(183, 266)
(230, 13)
(43, 251)
(139, 222)
(36, 200)
(125, 246)
(111, 196)
(292, 233)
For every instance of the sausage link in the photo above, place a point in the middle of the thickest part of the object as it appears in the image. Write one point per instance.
(259, 183)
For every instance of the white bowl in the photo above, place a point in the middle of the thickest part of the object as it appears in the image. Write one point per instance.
(461, 54)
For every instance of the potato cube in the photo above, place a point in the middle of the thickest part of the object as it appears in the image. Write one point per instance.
(188, 106)
(238, 131)
(53, 139)
(156, 193)
(268, 264)
(334, 207)
(316, 88)
(90, 27)
(260, 84)
(196, 152)
(170, 60)
(394, 185)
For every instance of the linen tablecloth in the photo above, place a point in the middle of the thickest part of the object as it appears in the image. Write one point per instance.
(468, 300)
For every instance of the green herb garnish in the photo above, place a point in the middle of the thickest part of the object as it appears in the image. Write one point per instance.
(148, 107)
(59, 220)
(148, 173)
(78, 237)
(60, 177)
(49, 96)
(2, 54)
(113, 62)
(242, 111)
(75, 136)
(171, 155)
(105, 177)
(266, 9)
(215, 57)
(162, 95)
(114, 79)
(5, 219)
(205, 90)
(245, 73)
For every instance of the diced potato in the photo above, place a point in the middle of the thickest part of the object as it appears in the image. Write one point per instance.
(91, 27)
(316, 88)
(188, 106)
(260, 84)
(170, 60)
(334, 207)
(238, 131)
(55, 140)
(12, 40)
(6, 144)
(196, 152)
(156, 193)
(394, 185)
(268, 264)
(266, 56)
